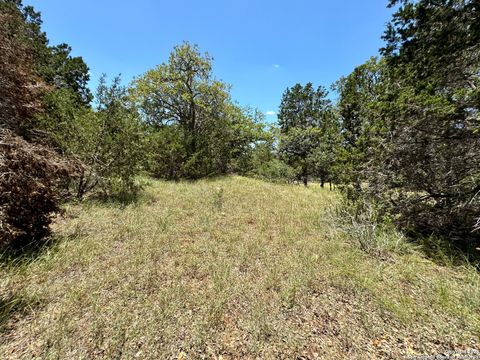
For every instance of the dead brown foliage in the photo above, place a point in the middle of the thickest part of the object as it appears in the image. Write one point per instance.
(20, 88)
(30, 179)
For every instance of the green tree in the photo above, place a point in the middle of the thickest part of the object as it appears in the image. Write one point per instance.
(202, 131)
(297, 148)
(358, 108)
(108, 140)
(233, 140)
(425, 171)
(53, 64)
(181, 92)
(325, 158)
(64, 71)
(303, 118)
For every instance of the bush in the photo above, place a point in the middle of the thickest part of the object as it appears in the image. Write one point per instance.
(30, 176)
(166, 154)
(276, 170)
(108, 140)
(360, 223)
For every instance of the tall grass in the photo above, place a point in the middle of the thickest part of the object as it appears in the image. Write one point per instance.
(233, 268)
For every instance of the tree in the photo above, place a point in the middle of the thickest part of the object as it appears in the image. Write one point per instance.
(357, 92)
(31, 174)
(233, 139)
(202, 130)
(181, 92)
(297, 148)
(108, 140)
(325, 158)
(425, 170)
(63, 71)
(304, 113)
(358, 108)
(21, 89)
(53, 64)
(303, 107)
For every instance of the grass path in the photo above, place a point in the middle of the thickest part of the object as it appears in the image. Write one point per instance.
(225, 269)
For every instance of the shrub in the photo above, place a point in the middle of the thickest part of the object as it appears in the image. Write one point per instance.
(359, 221)
(30, 176)
(276, 170)
(108, 140)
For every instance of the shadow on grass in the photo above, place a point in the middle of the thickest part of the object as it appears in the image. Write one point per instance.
(11, 305)
(192, 180)
(122, 197)
(360, 221)
(118, 200)
(18, 255)
(447, 253)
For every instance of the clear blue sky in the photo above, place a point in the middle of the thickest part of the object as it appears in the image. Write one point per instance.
(259, 46)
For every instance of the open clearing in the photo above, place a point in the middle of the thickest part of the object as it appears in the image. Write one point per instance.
(229, 268)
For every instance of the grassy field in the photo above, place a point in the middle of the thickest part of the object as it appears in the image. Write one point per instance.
(231, 268)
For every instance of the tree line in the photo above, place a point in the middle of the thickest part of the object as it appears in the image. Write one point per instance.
(403, 134)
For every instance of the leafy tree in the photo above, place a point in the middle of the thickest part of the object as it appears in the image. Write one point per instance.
(276, 170)
(166, 152)
(303, 118)
(234, 140)
(297, 148)
(64, 71)
(324, 159)
(357, 93)
(303, 107)
(120, 142)
(264, 151)
(204, 132)
(181, 92)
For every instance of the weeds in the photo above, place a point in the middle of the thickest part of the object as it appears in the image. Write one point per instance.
(218, 199)
(362, 227)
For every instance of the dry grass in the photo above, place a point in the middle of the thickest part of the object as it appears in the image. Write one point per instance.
(225, 269)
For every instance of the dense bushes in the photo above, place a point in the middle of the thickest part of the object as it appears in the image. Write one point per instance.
(308, 132)
(30, 179)
(412, 124)
(108, 139)
(51, 139)
(428, 161)
(276, 170)
(404, 135)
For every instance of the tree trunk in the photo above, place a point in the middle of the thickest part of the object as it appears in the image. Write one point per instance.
(322, 182)
(81, 186)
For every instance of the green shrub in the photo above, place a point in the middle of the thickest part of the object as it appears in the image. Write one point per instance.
(276, 170)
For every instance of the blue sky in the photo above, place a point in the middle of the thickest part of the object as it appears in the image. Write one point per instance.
(259, 46)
